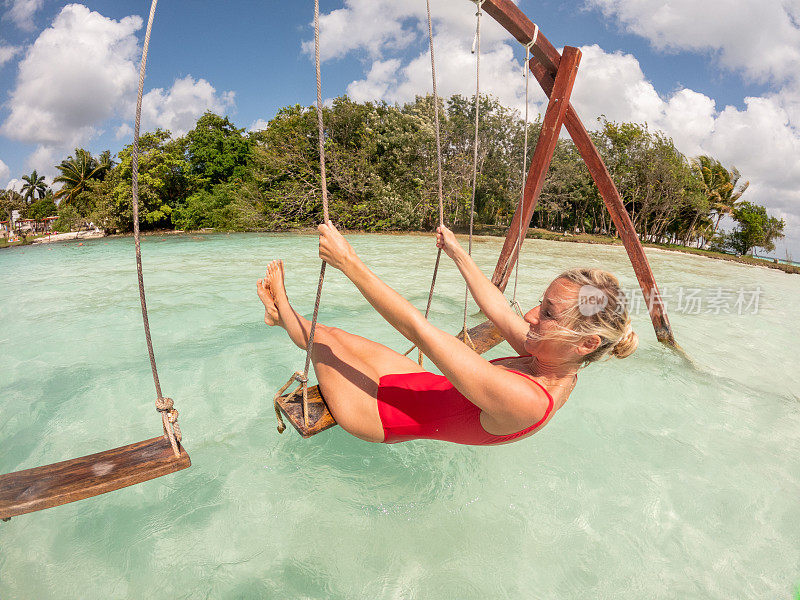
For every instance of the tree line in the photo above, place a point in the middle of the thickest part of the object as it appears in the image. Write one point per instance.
(382, 175)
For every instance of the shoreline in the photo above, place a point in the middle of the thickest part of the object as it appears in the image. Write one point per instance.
(487, 232)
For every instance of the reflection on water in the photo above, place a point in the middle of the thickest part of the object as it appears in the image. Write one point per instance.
(655, 481)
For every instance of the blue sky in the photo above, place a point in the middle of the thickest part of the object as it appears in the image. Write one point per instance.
(717, 80)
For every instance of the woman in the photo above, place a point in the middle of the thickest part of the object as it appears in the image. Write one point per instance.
(380, 395)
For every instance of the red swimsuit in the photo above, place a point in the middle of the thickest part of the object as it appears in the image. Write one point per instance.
(427, 406)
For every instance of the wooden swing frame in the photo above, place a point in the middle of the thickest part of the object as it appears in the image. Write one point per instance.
(556, 75)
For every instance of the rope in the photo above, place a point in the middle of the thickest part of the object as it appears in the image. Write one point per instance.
(169, 416)
(303, 378)
(421, 356)
(477, 51)
(515, 305)
(297, 376)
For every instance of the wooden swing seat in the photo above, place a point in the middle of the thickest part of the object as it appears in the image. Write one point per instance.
(484, 337)
(52, 485)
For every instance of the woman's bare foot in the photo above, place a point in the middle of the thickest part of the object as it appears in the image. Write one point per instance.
(271, 315)
(277, 287)
(296, 326)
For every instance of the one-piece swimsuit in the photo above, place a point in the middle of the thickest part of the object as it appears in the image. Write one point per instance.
(427, 406)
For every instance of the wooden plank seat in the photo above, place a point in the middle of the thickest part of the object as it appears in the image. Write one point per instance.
(484, 337)
(52, 485)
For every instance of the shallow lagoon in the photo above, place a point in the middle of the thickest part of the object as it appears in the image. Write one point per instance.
(656, 480)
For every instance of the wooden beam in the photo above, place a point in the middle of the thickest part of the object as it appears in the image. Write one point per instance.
(513, 20)
(616, 209)
(545, 65)
(542, 157)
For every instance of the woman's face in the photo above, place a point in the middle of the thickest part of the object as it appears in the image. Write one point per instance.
(547, 318)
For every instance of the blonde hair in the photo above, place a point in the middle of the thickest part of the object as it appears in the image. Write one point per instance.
(607, 318)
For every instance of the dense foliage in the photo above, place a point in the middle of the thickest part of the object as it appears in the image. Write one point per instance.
(382, 175)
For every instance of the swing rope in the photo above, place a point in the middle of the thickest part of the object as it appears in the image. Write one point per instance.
(477, 51)
(302, 378)
(476, 43)
(514, 304)
(169, 416)
(421, 357)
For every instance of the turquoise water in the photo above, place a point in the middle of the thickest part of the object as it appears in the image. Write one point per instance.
(655, 480)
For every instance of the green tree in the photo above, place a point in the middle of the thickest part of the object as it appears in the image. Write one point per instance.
(164, 183)
(34, 186)
(216, 150)
(76, 172)
(285, 166)
(9, 202)
(44, 207)
(68, 219)
(755, 229)
(721, 186)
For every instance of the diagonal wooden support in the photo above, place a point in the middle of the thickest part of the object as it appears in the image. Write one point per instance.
(542, 157)
(616, 209)
(545, 65)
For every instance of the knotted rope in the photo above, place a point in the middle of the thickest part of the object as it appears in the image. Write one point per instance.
(303, 377)
(514, 304)
(169, 416)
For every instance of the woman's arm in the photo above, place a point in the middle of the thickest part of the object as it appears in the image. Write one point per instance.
(488, 297)
(505, 397)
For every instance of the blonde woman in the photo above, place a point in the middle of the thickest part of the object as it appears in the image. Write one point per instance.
(380, 395)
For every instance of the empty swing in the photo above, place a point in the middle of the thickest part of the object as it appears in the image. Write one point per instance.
(60, 483)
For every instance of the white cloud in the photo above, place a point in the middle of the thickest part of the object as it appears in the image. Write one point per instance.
(7, 53)
(760, 139)
(403, 25)
(73, 77)
(14, 184)
(21, 12)
(123, 131)
(82, 72)
(44, 159)
(5, 172)
(381, 77)
(760, 38)
(258, 125)
(179, 108)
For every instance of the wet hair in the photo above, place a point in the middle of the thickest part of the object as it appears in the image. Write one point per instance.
(600, 308)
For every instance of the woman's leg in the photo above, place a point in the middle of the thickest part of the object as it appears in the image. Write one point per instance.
(348, 366)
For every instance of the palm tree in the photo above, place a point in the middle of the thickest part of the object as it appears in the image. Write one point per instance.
(34, 186)
(78, 170)
(720, 186)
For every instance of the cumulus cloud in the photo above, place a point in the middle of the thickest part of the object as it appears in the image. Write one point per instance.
(5, 172)
(81, 73)
(380, 30)
(760, 38)
(7, 53)
(760, 139)
(123, 131)
(179, 108)
(21, 12)
(73, 77)
(258, 125)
